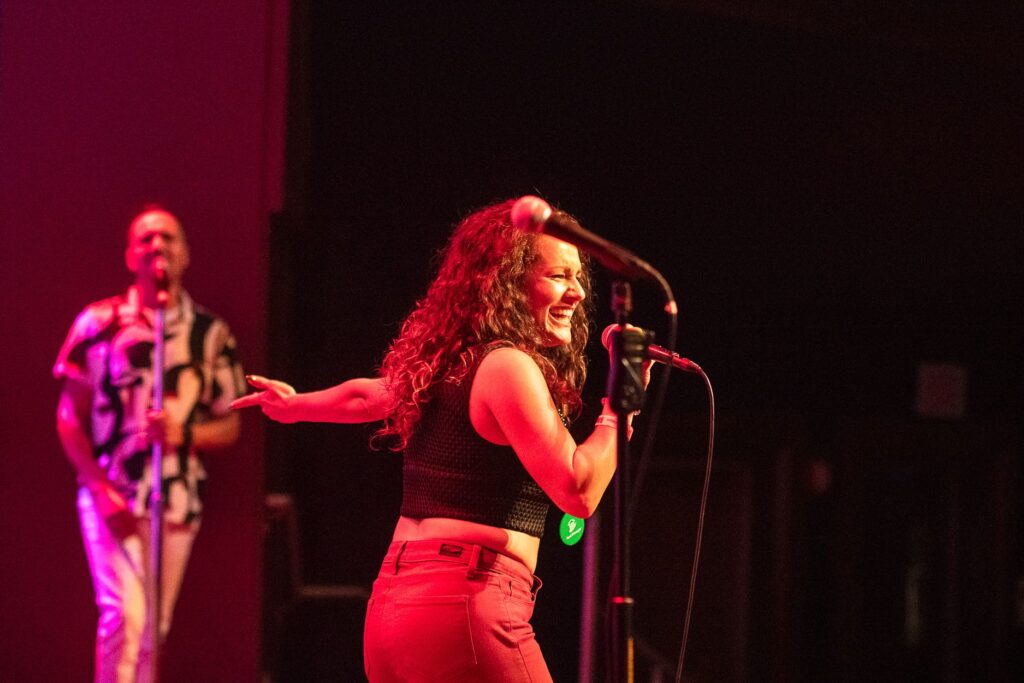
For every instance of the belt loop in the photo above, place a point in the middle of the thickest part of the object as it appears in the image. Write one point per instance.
(398, 555)
(474, 562)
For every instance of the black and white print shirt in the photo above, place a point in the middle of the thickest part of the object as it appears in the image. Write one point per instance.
(110, 350)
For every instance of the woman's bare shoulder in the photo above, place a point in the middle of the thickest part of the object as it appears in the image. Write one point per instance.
(507, 361)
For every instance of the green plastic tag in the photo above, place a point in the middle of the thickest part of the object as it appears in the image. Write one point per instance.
(571, 529)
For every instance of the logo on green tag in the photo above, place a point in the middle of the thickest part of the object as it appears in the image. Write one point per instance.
(571, 529)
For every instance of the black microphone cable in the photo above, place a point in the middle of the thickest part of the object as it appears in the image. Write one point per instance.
(645, 458)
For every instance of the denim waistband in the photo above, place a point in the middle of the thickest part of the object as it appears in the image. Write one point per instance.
(477, 558)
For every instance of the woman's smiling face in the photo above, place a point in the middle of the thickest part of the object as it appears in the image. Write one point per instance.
(554, 289)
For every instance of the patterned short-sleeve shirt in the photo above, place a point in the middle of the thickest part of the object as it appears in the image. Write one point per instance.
(110, 350)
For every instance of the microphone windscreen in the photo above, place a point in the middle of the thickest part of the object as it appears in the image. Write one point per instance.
(606, 336)
(529, 213)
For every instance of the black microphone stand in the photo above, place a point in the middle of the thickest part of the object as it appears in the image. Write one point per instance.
(156, 477)
(625, 395)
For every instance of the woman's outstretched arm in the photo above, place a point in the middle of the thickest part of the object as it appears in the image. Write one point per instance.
(356, 400)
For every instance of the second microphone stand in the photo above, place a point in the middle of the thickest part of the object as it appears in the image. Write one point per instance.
(625, 395)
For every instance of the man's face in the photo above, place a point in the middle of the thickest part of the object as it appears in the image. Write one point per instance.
(156, 239)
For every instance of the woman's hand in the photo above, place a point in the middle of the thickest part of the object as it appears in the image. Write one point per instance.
(274, 398)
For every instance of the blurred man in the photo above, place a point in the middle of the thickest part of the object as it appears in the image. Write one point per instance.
(107, 427)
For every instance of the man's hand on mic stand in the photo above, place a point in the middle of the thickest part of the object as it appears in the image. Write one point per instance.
(162, 428)
(113, 508)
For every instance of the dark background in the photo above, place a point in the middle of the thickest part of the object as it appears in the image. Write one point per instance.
(835, 197)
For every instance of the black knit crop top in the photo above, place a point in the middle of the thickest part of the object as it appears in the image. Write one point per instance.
(451, 471)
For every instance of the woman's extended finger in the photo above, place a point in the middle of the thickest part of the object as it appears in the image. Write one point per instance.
(246, 401)
(277, 386)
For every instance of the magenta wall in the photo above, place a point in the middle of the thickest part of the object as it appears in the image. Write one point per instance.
(104, 106)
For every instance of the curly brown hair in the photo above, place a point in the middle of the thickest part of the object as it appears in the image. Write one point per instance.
(477, 303)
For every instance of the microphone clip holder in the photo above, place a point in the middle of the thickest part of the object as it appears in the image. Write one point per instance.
(625, 388)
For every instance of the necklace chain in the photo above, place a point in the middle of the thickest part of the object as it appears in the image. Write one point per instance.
(561, 416)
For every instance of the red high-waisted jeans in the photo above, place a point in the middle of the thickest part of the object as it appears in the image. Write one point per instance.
(448, 612)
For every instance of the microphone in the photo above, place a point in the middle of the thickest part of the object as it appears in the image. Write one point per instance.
(533, 214)
(160, 268)
(658, 354)
(161, 279)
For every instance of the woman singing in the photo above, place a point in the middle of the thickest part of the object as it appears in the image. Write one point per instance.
(475, 390)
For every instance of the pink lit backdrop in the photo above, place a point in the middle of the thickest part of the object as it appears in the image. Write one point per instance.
(105, 106)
